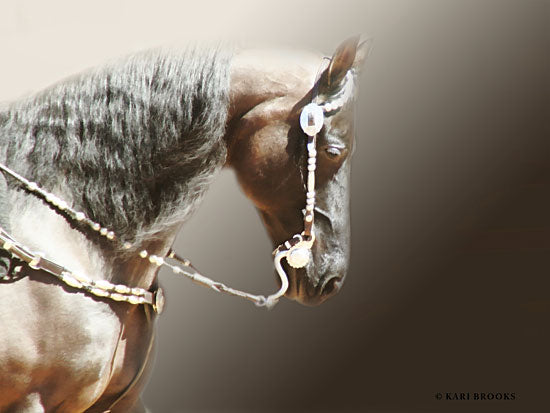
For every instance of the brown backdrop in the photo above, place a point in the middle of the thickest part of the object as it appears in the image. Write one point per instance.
(449, 284)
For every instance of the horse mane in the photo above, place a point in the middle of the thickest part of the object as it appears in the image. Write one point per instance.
(133, 144)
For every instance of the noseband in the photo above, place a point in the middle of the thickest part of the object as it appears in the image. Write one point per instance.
(296, 250)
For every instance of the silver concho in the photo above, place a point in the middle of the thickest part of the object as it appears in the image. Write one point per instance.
(298, 257)
(158, 305)
(311, 119)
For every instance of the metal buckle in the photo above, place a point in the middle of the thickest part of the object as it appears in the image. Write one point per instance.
(159, 301)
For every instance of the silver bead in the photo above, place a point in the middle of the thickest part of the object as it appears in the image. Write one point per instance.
(72, 282)
(62, 205)
(118, 297)
(80, 216)
(84, 279)
(134, 300)
(104, 284)
(99, 292)
(155, 259)
(311, 181)
(122, 289)
(138, 291)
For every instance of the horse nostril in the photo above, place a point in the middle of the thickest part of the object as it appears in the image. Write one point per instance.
(332, 286)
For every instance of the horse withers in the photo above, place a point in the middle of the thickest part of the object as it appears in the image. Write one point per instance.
(128, 150)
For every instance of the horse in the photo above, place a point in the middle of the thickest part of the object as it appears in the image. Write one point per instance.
(100, 172)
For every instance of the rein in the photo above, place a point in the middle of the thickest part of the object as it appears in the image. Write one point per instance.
(296, 250)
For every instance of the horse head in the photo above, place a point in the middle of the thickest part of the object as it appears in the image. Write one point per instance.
(267, 150)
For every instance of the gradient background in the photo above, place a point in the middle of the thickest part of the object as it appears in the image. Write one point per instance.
(449, 284)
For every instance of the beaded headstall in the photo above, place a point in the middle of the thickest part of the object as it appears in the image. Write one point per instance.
(296, 250)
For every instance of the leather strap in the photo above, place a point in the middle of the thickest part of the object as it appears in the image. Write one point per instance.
(39, 262)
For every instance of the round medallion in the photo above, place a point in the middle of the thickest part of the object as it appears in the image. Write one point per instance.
(298, 257)
(311, 119)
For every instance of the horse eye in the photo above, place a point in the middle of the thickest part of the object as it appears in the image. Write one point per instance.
(333, 152)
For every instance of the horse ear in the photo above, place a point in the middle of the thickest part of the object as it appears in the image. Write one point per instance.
(349, 55)
(363, 50)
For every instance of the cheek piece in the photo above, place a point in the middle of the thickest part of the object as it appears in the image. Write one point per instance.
(297, 249)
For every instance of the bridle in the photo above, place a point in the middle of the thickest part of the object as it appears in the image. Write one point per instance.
(296, 250)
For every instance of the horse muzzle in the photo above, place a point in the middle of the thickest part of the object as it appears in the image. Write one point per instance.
(311, 291)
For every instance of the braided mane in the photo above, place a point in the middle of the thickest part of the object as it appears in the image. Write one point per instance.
(132, 144)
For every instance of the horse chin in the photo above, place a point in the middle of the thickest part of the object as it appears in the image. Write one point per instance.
(303, 291)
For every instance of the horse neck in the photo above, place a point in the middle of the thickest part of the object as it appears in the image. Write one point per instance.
(38, 227)
(148, 108)
(133, 270)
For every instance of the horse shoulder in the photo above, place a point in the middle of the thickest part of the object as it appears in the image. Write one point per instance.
(55, 344)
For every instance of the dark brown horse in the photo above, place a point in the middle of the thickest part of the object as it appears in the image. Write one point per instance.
(133, 146)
